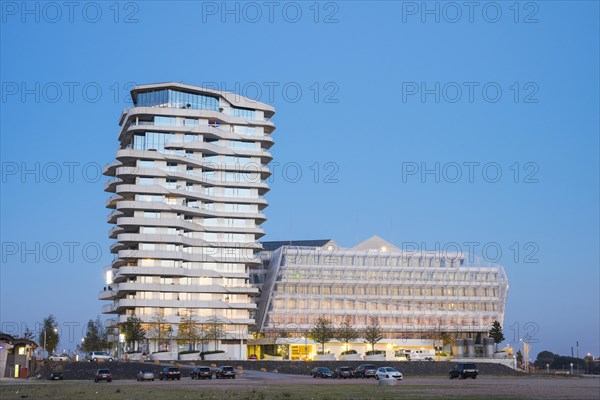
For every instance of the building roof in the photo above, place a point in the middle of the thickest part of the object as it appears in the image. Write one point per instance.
(272, 246)
(376, 243)
(233, 98)
(5, 337)
(25, 342)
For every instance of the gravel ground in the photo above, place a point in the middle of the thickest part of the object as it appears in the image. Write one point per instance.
(266, 385)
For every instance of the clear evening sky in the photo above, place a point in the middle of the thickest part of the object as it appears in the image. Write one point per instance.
(429, 124)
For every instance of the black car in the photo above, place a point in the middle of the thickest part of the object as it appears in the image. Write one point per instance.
(225, 372)
(321, 372)
(56, 376)
(366, 371)
(169, 373)
(343, 372)
(464, 371)
(201, 373)
(103, 374)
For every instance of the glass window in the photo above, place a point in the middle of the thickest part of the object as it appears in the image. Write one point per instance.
(176, 99)
(243, 113)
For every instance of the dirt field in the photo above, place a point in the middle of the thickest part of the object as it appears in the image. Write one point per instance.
(252, 385)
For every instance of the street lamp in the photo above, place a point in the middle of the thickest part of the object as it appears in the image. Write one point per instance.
(526, 354)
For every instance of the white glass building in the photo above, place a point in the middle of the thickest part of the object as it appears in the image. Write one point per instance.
(188, 185)
(413, 294)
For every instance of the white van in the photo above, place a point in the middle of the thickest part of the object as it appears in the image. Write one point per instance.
(415, 355)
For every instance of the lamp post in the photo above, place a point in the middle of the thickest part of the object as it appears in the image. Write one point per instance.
(525, 354)
(571, 368)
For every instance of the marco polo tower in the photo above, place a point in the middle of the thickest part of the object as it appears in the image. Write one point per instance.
(187, 198)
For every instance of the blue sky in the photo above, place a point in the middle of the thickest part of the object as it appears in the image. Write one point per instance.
(369, 96)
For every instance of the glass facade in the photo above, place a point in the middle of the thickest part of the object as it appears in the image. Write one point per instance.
(243, 113)
(176, 99)
(408, 292)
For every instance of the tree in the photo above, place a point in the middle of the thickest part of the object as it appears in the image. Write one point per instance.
(496, 333)
(445, 338)
(519, 358)
(346, 332)
(543, 358)
(373, 332)
(214, 330)
(49, 336)
(322, 332)
(28, 334)
(133, 331)
(188, 332)
(96, 337)
(161, 331)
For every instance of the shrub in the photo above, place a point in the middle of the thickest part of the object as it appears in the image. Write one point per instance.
(374, 352)
(275, 354)
(210, 352)
(189, 352)
(348, 352)
(133, 352)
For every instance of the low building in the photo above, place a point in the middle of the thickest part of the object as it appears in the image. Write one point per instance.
(16, 356)
(414, 295)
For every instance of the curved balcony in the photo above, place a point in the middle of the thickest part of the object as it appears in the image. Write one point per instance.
(125, 222)
(216, 304)
(128, 190)
(132, 238)
(183, 256)
(219, 117)
(111, 184)
(109, 169)
(131, 271)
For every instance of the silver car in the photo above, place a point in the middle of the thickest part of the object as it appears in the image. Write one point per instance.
(99, 355)
(388, 373)
(145, 376)
(58, 357)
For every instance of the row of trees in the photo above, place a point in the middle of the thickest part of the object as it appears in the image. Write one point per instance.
(96, 336)
(190, 331)
(323, 331)
(556, 361)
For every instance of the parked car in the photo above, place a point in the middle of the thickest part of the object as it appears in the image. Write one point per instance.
(54, 376)
(145, 375)
(366, 371)
(463, 371)
(343, 372)
(99, 355)
(103, 375)
(321, 372)
(388, 372)
(252, 357)
(57, 357)
(201, 373)
(225, 372)
(169, 373)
